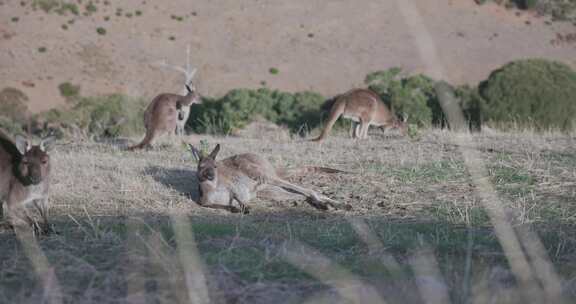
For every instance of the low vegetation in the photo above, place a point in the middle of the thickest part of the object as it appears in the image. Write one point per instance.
(118, 216)
(241, 106)
(69, 91)
(99, 117)
(562, 10)
(532, 93)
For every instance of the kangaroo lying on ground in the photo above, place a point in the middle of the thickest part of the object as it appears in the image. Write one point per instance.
(365, 108)
(240, 177)
(167, 113)
(24, 179)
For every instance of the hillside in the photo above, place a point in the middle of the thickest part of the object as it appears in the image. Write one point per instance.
(326, 46)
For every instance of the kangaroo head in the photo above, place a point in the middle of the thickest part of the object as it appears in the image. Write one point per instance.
(34, 164)
(401, 125)
(206, 164)
(192, 96)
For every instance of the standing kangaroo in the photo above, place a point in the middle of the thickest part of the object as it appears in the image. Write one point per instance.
(24, 179)
(365, 108)
(167, 113)
(240, 177)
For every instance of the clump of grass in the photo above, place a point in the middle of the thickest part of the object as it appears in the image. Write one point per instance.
(128, 15)
(172, 38)
(68, 7)
(273, 71)
(15, 19)
(101, 31)
(436, 172)
(69, 90)
(64, 27)
(91, 7)
(138, 13)
(414, 132)
(13, 103)
(106, 18)
(42, 49)
(46, 5)
(177, 18)
(58, 6)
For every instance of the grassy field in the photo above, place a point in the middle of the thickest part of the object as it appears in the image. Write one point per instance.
(130, 231)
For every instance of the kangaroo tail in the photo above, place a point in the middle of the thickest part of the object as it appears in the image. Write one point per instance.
(290, 172)
(144, 143)
(335, 112)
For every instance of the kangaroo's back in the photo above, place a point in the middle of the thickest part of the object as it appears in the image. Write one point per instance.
(7, 154)
(252, 165)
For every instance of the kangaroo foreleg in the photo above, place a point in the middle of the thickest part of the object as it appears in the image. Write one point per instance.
(43, 208)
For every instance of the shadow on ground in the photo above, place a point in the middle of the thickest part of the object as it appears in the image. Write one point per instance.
(183, 181)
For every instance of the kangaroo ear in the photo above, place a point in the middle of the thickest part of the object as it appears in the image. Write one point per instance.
(215, 152)
(405, 119)
(22, 144)
(46, 143)
(195, 152)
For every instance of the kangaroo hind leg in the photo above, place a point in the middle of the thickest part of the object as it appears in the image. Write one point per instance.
(315, 199)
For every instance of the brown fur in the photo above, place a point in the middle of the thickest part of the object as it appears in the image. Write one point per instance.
(365, 108)
(240, 177)
(167, 113)
(24, 179)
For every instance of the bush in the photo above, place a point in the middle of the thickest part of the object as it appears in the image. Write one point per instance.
(103, 116)
(13, 104)
(10, 126)
(69, 91)
(413, 96)
(532, 93)
(472, 105)
(241, 106)
(558, 9)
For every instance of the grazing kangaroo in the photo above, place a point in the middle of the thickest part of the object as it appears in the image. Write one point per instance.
(24, 179)
(365, 108)
(240, 177)
(167, 113)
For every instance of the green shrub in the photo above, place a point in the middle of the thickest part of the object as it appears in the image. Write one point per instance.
(68, 90)
(472, 105)
(46, 5)
(532, 93)
(101, 31)
(241, 106)
(58, 6)
(558, 9)
(10, 126)
(413, 95)
(13, 110)
(103, 116)
(91, 8)
(13, 104)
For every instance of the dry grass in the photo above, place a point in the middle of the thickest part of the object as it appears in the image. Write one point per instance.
(414, 205)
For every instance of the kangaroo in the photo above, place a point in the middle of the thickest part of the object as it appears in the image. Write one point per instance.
(24, 179)
(240, 177)
(167, 113)
(365, 108)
